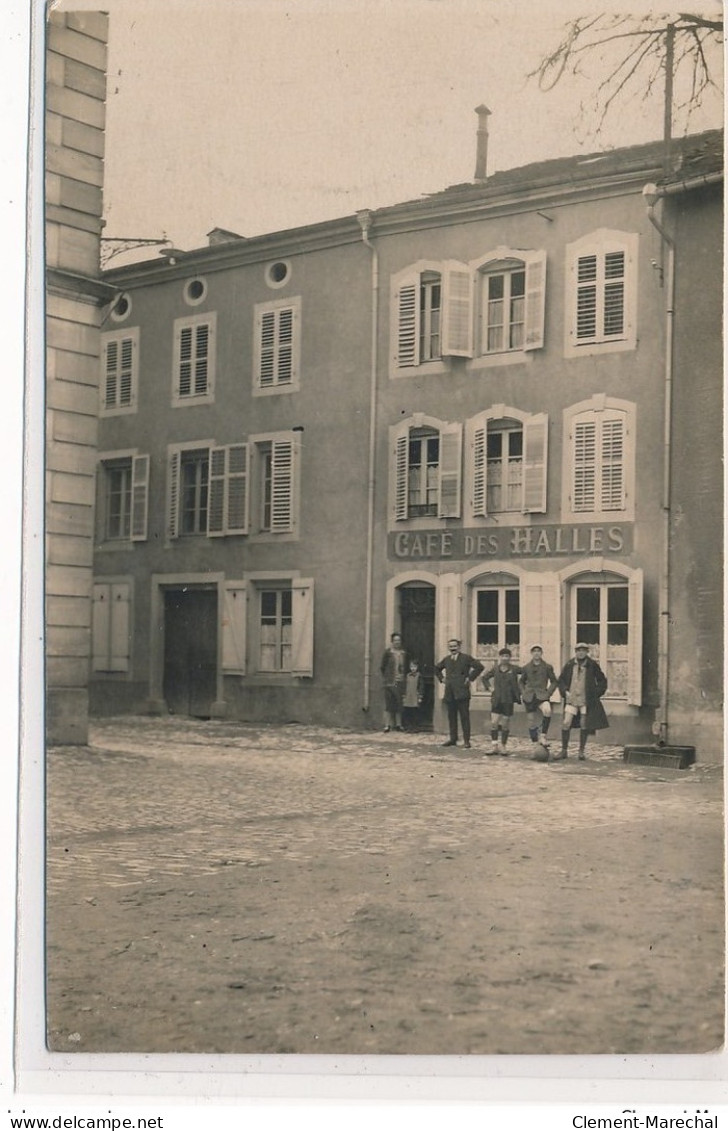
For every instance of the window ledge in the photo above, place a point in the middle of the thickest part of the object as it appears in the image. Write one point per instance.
(506, 357)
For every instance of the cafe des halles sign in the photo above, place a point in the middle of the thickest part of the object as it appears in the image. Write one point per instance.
(510, 542)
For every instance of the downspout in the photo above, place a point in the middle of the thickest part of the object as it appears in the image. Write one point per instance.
(651, 193)
(365, 220)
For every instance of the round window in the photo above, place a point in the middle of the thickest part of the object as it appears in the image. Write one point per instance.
(121, 308)
(277, 274)
(195, 291)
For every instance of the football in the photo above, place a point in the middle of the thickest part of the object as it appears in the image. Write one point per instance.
(541, 755)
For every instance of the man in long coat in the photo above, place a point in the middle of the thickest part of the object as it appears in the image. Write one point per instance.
(457, 670)
(582, 684)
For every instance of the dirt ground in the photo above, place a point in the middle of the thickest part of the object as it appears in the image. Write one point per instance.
(223, 888)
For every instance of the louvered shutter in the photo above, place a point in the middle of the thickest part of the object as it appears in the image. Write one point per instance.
(237, 490)
(535, 301)
(535, 463)
(119, 627)
(266, 339)
(584, 447)
(100, 627)
(216, 492)
(285, 346)
(184, 360)
(302, 627)
(139, 497)
(173, 488)
(399, 475)
(540, 613)
(282, 471)
(202, 351)
(407, 322)
(234, 620)
(126, 372)
(634, 666)
(457, 316)
(612, 463)
(449, 487)
(480, 470)
(111, 368)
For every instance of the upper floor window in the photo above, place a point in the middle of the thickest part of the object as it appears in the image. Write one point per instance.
(511, 288)
(601, 292)
(599, 455)
(194, 359)
(425, 473)
(431, 314)
(508, 461)
(430, 300)
(122, 497)
(277, 346)
(275, 469)
(120, 371)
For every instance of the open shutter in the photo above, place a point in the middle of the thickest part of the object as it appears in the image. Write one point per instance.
(119, 627)
(216, 492)
(457, 304)
(634, 674)
(101, 627)
(480, 469)
(535, 300)
(535, 463)
(281, 485)
(139, 498)
(407, 322)
(302, 627)
(399, 471)
(447, 614)
(234, 617)
(541, 615)
(451, 443)
(237, 489)
(173, 494)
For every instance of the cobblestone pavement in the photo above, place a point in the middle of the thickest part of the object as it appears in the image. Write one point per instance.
(222, 887)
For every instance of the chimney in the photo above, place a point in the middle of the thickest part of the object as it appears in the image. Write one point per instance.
(481, 155)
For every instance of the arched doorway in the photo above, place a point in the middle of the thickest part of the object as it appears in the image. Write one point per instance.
(417, 625)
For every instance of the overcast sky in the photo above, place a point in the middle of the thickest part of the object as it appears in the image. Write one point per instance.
(258, 115)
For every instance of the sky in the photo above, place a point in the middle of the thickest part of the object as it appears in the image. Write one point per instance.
(262, 115)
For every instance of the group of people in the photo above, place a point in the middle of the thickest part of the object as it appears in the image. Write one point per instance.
(581, 684)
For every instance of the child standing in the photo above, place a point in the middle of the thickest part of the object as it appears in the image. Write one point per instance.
(505, 693)
(414, 693)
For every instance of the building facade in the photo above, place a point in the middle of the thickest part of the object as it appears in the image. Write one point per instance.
(447, 417)
(75, 297)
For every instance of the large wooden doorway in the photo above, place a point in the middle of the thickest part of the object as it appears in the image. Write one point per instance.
(417, 623)
(190, 651)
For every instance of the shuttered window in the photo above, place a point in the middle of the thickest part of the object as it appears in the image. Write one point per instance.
(601, 292)
(286, 627)
(425, 470)
(123, 498)
(277, 460)
(598, 453)
(194, 359)
(277, 345)
(110, 626)
(228, 492)
(432, 313)
(508, 463)
(120, 368)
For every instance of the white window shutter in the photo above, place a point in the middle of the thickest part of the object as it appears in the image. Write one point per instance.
(302, 627)
(535, 301)
(101, 627)
(634, 672)
(584, 464)
(449, 489)
(119, 627)
(480, 470)
(110, 373)
(407, 322)
(236, 514)
(216, 492)
(535, 463)
(282, 471)
(612, 442)
(234, 621)
(447, 613)
(139, 497)
(457, 310)
(265, 348)
(399, 472)
(173, 485)
(541, 615)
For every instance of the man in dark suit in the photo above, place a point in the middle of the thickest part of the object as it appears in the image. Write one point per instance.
(457, 671)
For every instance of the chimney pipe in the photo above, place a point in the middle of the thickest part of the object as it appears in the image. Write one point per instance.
(481, 158)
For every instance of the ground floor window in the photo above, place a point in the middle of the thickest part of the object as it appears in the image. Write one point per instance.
(600, 617)
(497, 622)
(276, 622)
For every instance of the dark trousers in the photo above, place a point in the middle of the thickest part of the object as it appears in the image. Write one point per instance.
(459, 707)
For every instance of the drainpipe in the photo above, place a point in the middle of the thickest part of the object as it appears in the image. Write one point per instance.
(651, 194)
(365, 221)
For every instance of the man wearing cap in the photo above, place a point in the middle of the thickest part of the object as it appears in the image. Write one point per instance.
(582, 684)
(538, 682)
(457, 671)
(505, 693)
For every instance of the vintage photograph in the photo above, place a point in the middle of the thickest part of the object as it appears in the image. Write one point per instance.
(384, 529)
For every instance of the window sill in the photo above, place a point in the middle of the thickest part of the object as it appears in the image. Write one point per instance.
(425, 369)
(584, 349)
(506, 357)
(275, 390)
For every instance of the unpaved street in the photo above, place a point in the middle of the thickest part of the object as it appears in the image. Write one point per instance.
(218, 887)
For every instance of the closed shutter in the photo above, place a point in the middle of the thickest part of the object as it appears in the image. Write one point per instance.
(399, 471)
(216, 492)
(449, 491)
(139, 498)
(101, 627)
(183, 353)
(265, 333)
(202, 359)
(457, 302)
(535, 463)
(612, 464)
(237, 489)
(282, 472)
(540, 612)
(407, 322)
(634, 673)
(111, 373)
(173, 487)
(584, 446)
(234, 620)
(119, 627)
(126, 372)
(302, 627)
(535, 301)
(480, 470)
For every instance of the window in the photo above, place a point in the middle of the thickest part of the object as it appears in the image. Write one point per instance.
(277, 334)
(601, 290)
(194, 291)
(497, 615)
(275, 630)
(512, 289)
(601, 619)
(425, 475)
(277, 491)
(431, 314)
(503, 311)
(508, 462)
(600, 450)
(282, 632)
(110, 623)
(120, 372)
(123, 497)
(194, 365)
